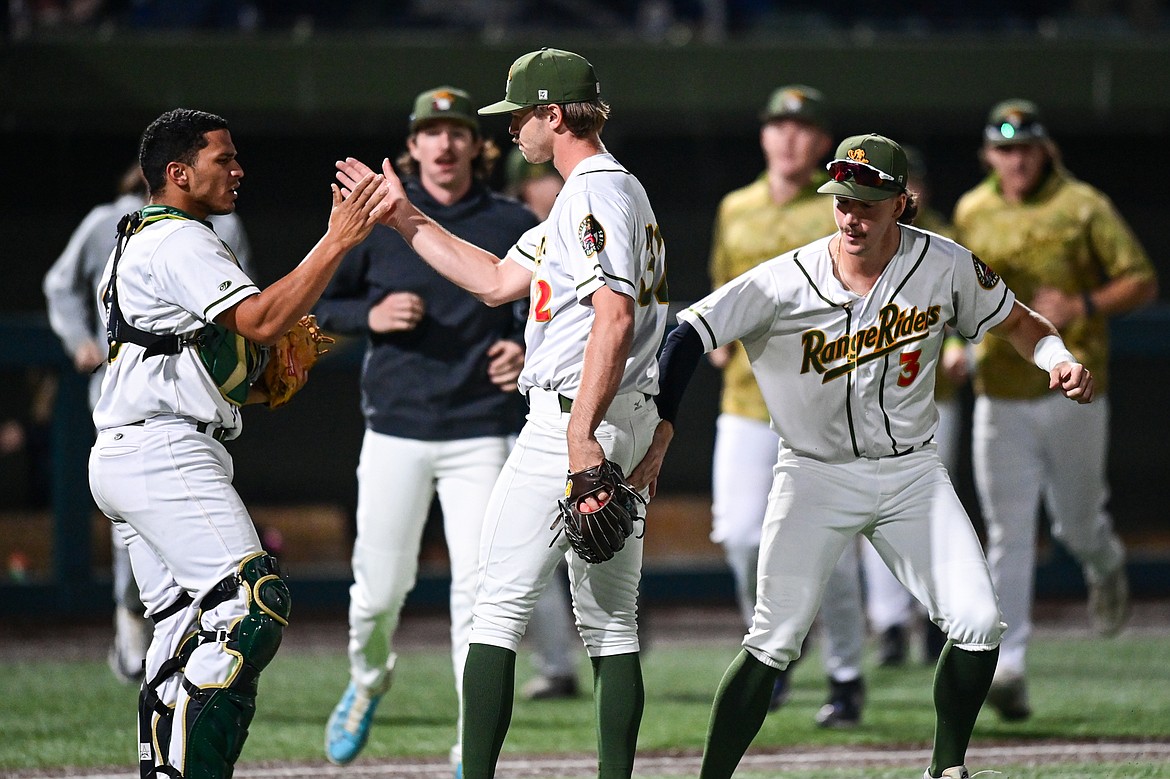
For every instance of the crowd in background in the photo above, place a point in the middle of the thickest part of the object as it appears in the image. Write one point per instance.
(672, 21)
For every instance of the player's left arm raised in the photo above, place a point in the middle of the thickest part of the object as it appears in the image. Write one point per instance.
(1036, 339)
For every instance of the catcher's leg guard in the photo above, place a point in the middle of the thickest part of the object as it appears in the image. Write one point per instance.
(216, 718)
(156, 696)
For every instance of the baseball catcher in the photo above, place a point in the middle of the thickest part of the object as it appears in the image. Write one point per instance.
(596, 536)
(292, 356)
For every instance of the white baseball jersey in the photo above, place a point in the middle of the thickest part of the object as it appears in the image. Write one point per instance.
(865, 364)
(175, 276)
(601, 231)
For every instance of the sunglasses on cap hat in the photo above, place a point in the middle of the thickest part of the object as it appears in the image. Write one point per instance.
(865, 175)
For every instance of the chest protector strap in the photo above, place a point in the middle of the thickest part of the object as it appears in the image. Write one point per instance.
(233, 361)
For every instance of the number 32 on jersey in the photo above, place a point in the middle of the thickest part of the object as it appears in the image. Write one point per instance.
(652, 286)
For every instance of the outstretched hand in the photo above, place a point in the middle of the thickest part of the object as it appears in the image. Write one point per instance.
(351, 170)
(354, 214)
(1073, 380)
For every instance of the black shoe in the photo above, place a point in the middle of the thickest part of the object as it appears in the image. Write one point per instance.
(780, 691)
(547, 688)
(892, 647)
(1009, 697)
(933, 641)
(843, 709)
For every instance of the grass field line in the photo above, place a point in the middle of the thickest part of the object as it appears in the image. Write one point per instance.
(985, 756)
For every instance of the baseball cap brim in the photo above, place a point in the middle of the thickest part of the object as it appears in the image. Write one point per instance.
(1034, 134)
(854, 191)
(500, 107)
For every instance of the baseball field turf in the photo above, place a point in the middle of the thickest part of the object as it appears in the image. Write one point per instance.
(1101, 710)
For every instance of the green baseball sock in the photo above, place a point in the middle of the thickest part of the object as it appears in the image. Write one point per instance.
(489, 682)
(741, 704)
(961, 681)
(619, 698)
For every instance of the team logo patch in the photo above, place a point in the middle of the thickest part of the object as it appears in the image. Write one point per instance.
(442, 101)
(793, 100)
(987, 277)
(857, 155)
(224, 286)
(592, 235)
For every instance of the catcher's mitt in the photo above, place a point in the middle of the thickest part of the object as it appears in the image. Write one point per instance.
(596, 536)
(291, 358)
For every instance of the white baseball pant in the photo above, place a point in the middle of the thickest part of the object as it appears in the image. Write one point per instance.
(1025, 451)
(908, 508)
(516, 559)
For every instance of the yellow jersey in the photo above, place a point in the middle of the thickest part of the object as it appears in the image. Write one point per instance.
(1066, 235)
(751, 227)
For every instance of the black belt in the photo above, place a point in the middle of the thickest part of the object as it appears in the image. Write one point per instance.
(914, 448)
(218, 433)
(567, 403)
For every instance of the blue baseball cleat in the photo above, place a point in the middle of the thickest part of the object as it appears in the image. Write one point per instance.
(349, 725)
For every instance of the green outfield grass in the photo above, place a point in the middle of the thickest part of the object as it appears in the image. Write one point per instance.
(56, 714)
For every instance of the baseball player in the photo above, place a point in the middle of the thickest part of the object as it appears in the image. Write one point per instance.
(78, 318)
(890, 607)
(777, 212)
(550, 629)
(595, 273)
(1066, 250)
(843, 335)
(185, 326)
(438, 395)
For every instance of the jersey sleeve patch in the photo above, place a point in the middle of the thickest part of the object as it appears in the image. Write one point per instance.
(592, 235)
(987, 277)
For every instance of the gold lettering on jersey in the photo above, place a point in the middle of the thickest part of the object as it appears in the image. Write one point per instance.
(895, 328)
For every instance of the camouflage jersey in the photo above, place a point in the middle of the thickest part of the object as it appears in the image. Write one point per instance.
(1066, 235)
(749, 229)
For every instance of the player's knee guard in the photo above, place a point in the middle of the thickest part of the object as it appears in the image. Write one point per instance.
(217, 718)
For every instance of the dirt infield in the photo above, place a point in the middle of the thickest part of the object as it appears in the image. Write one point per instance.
(1037, 754)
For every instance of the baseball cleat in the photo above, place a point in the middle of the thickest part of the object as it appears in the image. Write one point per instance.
(349, 725)
(125, 668)
(958, 772)
(892, 647)
(1109, 602)
(545, 688)
(843, 709)
(1009, 697)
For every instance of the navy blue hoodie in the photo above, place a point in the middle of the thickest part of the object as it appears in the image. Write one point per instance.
(431, 383)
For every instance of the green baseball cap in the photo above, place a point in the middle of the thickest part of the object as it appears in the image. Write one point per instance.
(444, 103)
(867, 167)
(796, 101)
(1014, 121)
(547, 76)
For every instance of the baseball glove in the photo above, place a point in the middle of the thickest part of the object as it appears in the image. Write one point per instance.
(596, 536)
(291, 358)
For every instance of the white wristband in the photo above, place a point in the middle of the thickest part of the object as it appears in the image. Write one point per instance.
(1050, 352)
